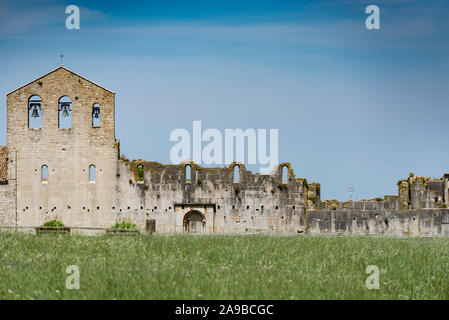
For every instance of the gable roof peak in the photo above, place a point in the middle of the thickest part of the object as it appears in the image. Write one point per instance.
(59, 68)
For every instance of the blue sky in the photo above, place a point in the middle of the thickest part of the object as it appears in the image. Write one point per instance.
(354, 107)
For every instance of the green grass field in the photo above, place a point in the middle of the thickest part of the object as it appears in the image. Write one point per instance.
(222, 267)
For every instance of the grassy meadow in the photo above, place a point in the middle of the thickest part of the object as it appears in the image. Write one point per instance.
(222, 267)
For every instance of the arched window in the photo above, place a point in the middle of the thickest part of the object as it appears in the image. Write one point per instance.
(96, 115)
(35, 112)
(140, 173)
(65, 113)
(236, 173)
(91, 173)
(44, 173)
(188, 172)
(284, 174)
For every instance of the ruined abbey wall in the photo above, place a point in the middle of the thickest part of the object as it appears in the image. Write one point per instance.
(174, 198)
(414, 192)
(422, 222)
(255, 203)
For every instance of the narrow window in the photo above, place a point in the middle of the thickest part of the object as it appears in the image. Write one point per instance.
(35, 112)
(92, 173)
(236, 173)
(65, 113)
(96, 115)
(284, 174)
(188, 172)
(44, 173)
(140, 173)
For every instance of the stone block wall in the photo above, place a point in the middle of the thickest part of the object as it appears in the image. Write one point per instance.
(255, 203)
(422, 222)
(67, 194)
(7, 188)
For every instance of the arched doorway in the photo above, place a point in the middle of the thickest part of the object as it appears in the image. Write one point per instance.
(194, 222)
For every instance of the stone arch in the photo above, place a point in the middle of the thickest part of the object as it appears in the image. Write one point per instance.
(194, 222)
(285, 172)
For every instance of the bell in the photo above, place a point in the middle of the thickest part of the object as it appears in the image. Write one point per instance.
(35, 113)
(65, 112)
(96, 112)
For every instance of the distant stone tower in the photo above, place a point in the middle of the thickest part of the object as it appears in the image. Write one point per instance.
(62, 150)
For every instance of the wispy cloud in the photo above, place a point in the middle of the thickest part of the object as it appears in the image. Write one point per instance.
(30, 18)
(402, 23)
(16, 19)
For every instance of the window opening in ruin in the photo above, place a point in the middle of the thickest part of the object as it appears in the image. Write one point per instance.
(188, 172)
(284, 174)
(140, 173)
(236, 173)
(35, 112)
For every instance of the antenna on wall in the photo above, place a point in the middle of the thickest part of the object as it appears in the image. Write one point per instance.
(62, 59)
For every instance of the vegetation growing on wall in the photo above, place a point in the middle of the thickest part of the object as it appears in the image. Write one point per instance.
(124, 225)
(53, 223)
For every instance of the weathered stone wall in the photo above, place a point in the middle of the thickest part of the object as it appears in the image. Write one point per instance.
(387, 203)
(432, 222)
(313, 195)
(67, 195)
(7, 205)
(255, 203)
(423, 192)
(3, 164)
(7, 189)
(414, 192)
(446, 189)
